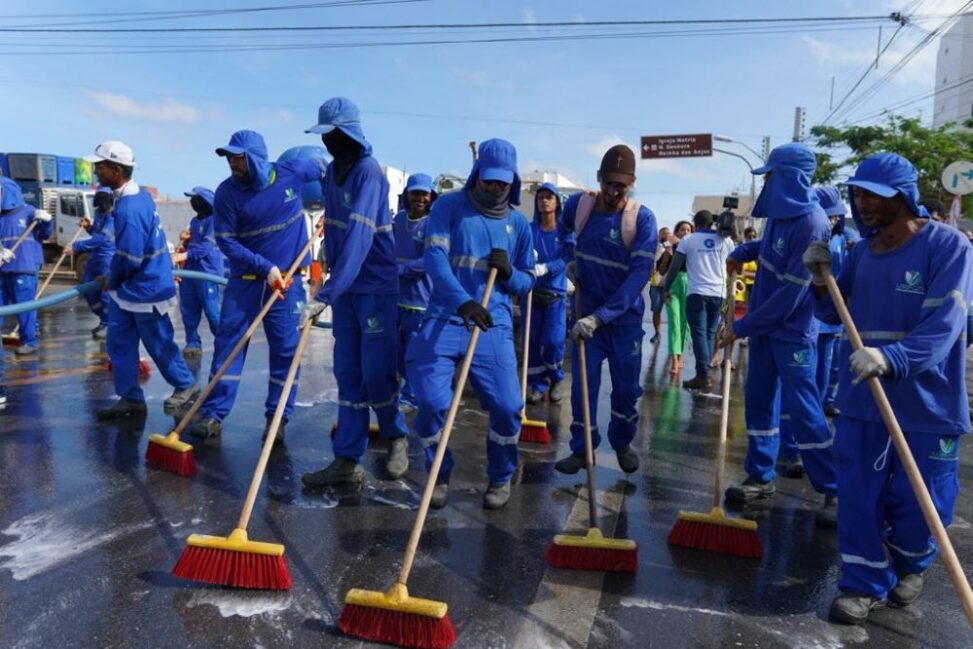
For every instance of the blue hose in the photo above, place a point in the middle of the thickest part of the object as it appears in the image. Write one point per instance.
(195, 274)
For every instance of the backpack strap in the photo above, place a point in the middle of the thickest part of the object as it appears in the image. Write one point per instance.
(586, 203)
(629, 222)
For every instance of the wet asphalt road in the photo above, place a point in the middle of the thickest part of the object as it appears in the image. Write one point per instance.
(88, 534)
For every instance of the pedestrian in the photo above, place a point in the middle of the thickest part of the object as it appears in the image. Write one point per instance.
(100, 248)
(675, 300)
(780, 324)
(611, 262)
(702, 255)
(548, 322)
(470, 232)
(259, 223)
(199, 296)
(363, 291)
(656, 291)
(415, 286)
(907, 284)
(142, 290)
(18, 277)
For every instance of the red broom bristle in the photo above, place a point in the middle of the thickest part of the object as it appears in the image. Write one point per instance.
(396, 627)
(232, 568)
(181, 463)
(717, 538)
(535, 434)
(582, 558)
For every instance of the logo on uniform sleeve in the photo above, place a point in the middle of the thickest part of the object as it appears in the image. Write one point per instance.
(780, 246)
(912, 284)
(289, 195)
(373, 325)
(801, 359)
(947, 449)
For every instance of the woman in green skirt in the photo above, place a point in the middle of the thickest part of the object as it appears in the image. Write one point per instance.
(676, 304)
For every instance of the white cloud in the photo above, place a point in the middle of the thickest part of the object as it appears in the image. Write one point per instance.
(168, 110)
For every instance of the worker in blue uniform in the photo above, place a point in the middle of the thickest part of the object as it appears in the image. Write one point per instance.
(907, 285)
(199, 296)
(415, 286)
(142, 290)
(470, 232)
(611, 262)
(545, 355)
(782, 331)
(362, 290)
(100, 248)
(18, 277)
(260, 226)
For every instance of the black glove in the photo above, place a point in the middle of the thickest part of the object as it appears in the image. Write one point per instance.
(498, 259)
(473, 313)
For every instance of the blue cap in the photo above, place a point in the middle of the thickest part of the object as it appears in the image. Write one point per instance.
(343, 114)
(793, 154)
(419, 183)
(886, 174)
(497, 161)
(830, 199)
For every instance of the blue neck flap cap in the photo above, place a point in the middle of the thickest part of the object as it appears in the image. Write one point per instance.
(551, 187)
(498, 158)
(787, 193)
(252, 145)
(13, 197)
(203, 192)
(341, 113)
(885, 174)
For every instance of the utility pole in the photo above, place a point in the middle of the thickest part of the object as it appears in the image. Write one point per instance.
(765, 150)
(798, 124)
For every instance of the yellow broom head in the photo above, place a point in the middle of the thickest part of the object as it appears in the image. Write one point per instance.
(171, 442)
(717, 516)
(595, 540)
(396, 598)
(237, 541)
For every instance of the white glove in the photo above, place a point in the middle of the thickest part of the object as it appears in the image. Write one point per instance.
(6, 255)
(817, 255)
(540, 270)
(868, 362)
(571, 270)
(43, 216)
(585, 327)
(311, 311)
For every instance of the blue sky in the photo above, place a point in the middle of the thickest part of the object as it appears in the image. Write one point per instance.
(422, 104)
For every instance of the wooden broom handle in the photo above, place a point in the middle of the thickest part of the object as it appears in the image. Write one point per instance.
(258, 474)
(523, 369)
(725, 405)
(57, 266)
(437, 462)
(946, 550)
(198, 403)
(589, 454)
(23, 235)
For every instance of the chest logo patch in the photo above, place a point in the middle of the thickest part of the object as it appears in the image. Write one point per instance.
(509, 228)
(614, 237)
(912, 283)
(347, 199)
(289, 195)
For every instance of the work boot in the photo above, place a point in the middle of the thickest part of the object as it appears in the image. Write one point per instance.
(535, 396)
(832, 411)
(907, 590)
(791, 467)
(397, 462)
(628, 460)
(180, 398)
(827, 515)
(192, 352)
(123, 408)
(853, 608)
(557, 391)
(698, 382)
(279, 439)
(100, 332)
(440, 495)
(570, 464)
(496, 496)
(341, 471)
(750, 489)
(24, 350)
(206, 428)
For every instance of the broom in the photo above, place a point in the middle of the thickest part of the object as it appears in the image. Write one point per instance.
(12, 338)
(168, 452)
(714, 531)
(929, 512)
(395, 617)
(592, 551)
(235, 560)
(531, 430)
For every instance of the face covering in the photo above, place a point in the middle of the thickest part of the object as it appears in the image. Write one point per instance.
(200, 206)
(345, 152)
(495, 206)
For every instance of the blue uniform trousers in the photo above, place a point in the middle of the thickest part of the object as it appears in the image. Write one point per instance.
(410, 322)
(826, 368)
(830, 382)
(621, 346)
(545, 354)
(198, 296)
(781, 370)
(242, 301)
(432, 360)
(16, 288)
(154, 330)
(97, 300)
(365, 357)
(881, 531)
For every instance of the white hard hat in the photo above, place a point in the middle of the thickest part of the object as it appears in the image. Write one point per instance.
(113, 151)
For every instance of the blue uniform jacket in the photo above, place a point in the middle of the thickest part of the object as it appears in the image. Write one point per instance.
(410, 246)
(358, 244)
(141, 270)
(458, 241)
(202, 252)
(839, 252)
(100, 242)
(15, 217)
(612, 276)
(911, 303)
